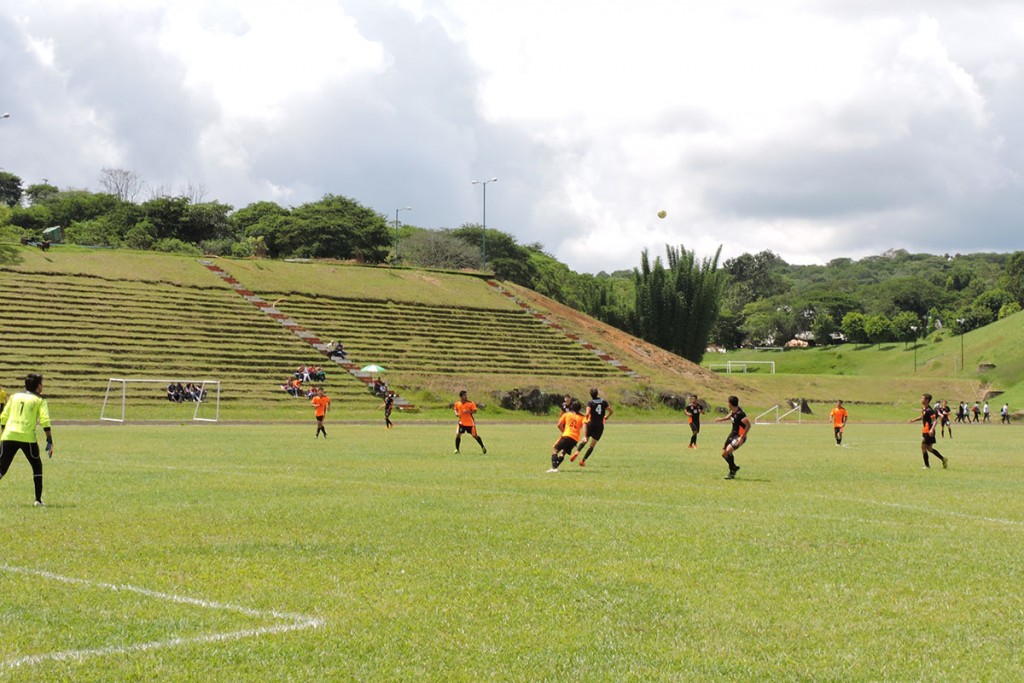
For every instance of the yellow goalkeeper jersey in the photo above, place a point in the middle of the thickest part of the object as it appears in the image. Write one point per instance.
(20, 416)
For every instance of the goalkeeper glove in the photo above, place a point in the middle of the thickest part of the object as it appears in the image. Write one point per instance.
(49, 447)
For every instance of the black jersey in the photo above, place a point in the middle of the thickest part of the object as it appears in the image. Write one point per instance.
(693, 412)
(738, 428)
(598, 408)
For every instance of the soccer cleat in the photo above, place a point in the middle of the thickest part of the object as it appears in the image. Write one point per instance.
(553, 470)
(485, 449)
(572, 458)
(40, 503)
(945, 463)
(583, 463)
(731, 475)
(455, 452)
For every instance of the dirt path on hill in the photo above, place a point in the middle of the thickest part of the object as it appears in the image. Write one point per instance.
(643, 357)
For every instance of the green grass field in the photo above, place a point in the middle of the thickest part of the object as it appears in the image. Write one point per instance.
(231, 552)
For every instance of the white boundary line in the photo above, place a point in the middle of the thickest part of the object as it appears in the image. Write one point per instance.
(295, 622)
(931, 511)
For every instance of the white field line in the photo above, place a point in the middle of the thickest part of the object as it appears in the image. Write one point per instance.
(294, 622)
(931, 511)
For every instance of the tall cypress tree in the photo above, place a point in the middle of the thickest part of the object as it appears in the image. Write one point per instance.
(677, 307)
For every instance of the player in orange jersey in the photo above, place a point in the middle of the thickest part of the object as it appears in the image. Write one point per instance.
(839, 417)
(321, 404)
(465, 409)
(570, 424)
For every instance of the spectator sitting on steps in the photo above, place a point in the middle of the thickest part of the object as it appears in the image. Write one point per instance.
(338, 351)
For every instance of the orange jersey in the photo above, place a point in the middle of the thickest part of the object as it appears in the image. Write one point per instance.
(838, 417)
(465, 410)
(571, 424)
(321, 404)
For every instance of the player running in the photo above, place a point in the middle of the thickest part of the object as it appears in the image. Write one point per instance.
(693, 410)
(598, 412)
(321, 404)
(388, 406)
(570, 424)
(738, 435)
(944, 411)
(18, 422)
(465, 409)
(928, 419)
(839, 417)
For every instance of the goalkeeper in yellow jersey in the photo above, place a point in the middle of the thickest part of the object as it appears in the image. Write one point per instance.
(18, 422)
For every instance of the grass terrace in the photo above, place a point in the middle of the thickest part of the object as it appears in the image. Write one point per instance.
(82, 329)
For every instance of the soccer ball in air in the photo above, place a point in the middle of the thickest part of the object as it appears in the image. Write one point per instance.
(662, 213)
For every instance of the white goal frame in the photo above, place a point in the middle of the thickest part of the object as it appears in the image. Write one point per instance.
(203, 383)
(731, 366)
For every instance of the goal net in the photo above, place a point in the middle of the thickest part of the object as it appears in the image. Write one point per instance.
(161, 398)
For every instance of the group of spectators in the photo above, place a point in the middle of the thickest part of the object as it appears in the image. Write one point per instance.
(179, 393)
(300, 384)
(379, 387)
(980, 412)
(310, 373)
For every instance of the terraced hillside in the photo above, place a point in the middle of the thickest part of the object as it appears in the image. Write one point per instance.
(444, 339)
(84, 329)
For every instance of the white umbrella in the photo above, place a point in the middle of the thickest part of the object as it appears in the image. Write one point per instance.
(374, 368)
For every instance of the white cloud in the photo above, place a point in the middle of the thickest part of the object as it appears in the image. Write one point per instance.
(814, 128)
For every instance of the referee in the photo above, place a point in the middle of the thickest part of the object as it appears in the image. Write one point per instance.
(18, 430)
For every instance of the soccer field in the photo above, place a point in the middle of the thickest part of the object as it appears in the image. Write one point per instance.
(228, 552)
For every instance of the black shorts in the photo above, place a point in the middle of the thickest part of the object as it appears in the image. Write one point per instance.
(928, 439)
(565, 444)
(595, 430)
(466, 429)
(733, 441)
(695, 427)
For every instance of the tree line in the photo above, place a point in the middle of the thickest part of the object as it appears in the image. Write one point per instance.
(682, 303)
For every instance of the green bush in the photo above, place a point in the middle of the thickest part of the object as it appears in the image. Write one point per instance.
(173, 245)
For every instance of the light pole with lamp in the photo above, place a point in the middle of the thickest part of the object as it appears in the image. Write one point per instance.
(483, 250)
(963, 361)
(404, 208)
(913, 328)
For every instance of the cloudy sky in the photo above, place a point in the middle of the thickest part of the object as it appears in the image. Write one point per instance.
(814, 128)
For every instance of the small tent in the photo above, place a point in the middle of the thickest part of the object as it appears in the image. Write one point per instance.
(54, 235)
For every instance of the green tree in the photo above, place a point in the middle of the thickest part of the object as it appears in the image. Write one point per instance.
(878, 328)
(40, 192)
(676, 307)
(853, 327)
(906, 327)
(1013, 276)
(10, 189)
(438, 249)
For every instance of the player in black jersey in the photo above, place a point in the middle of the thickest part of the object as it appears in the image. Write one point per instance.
(738, 435)
(598, 412)
(693, 410)
(928, 419)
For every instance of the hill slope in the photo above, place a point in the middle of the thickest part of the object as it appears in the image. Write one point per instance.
(82, 316)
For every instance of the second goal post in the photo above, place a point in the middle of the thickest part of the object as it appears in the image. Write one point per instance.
(204, 393)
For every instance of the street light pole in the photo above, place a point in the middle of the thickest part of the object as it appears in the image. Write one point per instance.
(963, 361)
(913, 328)
(483, 250)
(404, 208)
